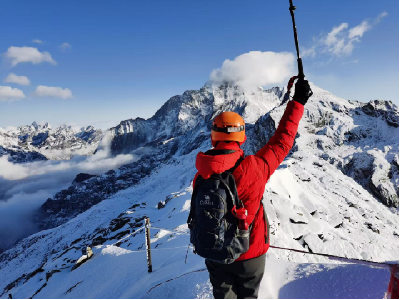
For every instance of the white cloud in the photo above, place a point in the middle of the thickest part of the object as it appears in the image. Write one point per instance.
(255, 69)
(37, 41)
(350, 62)
(21, 80)
(25, 54)
(359, 30)
(380, 17)
(65, 47)
(52, 91)
(340, 41)
(308, 52)
(331, 38)
(8, 93)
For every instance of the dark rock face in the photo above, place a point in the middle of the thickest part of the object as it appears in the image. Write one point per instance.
(360, 168)
(39, 139)
(385, 109)
(82, 177)
(124, 141)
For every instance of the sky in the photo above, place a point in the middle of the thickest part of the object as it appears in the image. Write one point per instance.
(100, 62)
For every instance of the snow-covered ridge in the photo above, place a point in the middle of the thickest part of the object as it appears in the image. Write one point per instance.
(193, 109)
(32, 142)
(334, 194)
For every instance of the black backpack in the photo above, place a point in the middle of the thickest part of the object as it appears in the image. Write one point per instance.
(214, 230)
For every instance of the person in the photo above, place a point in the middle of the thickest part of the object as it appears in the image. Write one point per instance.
(242, 278)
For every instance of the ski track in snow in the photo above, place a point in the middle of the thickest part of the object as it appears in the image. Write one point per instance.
(310, 205)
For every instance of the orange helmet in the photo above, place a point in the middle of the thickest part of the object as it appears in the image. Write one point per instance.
(228, 127)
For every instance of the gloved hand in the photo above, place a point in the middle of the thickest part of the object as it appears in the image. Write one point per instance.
(302, 91)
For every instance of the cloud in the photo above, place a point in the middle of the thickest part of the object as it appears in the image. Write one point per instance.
(254, 69)
(52, 91)
(65, 47)
(340, 41)
(380, 17)
(355, 61)
(359, 30)
(21, 80)
(25, 54)
(25, 187)
(8, 93)
(37, 41)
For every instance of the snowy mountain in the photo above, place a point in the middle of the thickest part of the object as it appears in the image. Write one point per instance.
(40, 142)
(189, 112)
(336, 193)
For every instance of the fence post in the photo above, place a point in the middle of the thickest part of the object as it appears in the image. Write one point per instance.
(148, 248)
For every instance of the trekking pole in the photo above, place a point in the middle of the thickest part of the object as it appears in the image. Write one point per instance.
(301, 75)
(292, 8)
(148, 248)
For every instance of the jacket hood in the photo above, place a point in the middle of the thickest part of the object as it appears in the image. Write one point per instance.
(208, 164)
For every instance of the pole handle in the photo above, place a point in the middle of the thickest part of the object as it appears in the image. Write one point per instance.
(300, 66)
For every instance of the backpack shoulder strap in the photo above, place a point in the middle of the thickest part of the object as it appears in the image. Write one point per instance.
(192, 206)
(238, 162)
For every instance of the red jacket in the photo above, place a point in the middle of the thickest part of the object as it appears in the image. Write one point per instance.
(254, 171)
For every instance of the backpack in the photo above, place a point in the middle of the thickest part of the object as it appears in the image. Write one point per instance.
(214, 230)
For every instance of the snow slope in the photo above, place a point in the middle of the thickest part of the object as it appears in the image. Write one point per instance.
(315, 202)
(118, 267)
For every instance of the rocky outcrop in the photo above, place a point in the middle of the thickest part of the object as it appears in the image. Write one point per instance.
(384, 109)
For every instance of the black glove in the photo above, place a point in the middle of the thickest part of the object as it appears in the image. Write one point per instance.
(302, 91)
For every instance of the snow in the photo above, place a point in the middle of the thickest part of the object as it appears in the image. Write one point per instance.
(121, 272)
(311, 202)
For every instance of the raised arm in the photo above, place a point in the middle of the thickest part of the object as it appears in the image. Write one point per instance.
(278, 147)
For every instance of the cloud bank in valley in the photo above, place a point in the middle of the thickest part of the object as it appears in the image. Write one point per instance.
(254, 69)
(25, 187)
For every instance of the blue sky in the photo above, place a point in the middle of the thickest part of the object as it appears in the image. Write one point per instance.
(126, 58)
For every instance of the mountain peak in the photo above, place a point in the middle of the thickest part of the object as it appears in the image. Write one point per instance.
(35, 125)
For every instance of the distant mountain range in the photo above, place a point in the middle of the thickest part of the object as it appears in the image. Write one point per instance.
(40, 142)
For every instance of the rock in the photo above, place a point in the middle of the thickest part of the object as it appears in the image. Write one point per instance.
(384, 193)
(372, 227)
(82, 177)
(50, 273)
(385, 109)
(83, 258)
